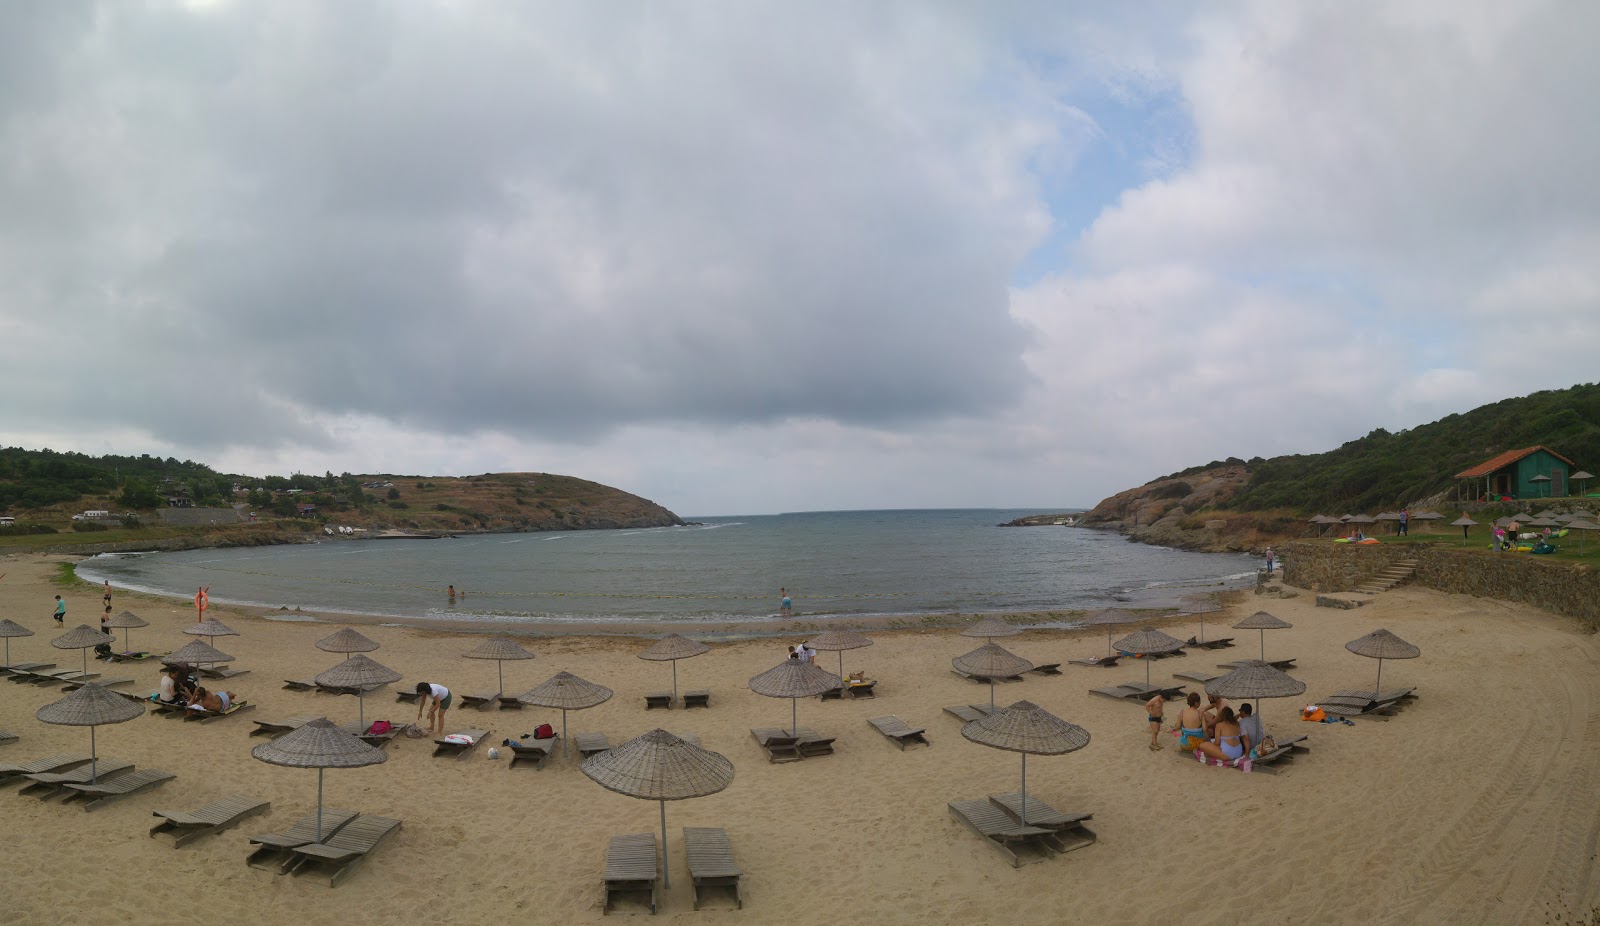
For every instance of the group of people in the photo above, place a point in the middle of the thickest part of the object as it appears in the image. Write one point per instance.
(803, 652)
(1216, 730)
(180, 688)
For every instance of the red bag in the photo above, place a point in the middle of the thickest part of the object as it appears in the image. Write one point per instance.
(380, 727)
(544, 732)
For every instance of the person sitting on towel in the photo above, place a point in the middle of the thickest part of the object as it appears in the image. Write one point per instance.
(1227, 743)
(1250, 726)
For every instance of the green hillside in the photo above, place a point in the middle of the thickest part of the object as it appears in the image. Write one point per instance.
(1384, 470)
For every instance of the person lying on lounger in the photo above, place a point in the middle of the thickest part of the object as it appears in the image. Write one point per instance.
(217, 702)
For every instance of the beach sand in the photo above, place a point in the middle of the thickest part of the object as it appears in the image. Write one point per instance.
(1476, 804)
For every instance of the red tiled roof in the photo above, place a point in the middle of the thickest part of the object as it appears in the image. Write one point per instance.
(1506, 459)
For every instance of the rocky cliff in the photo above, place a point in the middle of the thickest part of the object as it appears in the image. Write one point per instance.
(1178, 512)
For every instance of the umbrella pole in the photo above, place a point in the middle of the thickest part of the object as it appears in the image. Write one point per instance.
(319, 805)
(674, 698)
(1024, 789)
(94, 757)
(8, 649)
(1202, 628)
(501, 665)
(841, 660)
(1263, 644)
(361, 709)
(1378, 692)
(1147, 658)
(86, 660)
(794, 716)
(1108, 641)
(991, 694)
(666, 866)
(563, 733)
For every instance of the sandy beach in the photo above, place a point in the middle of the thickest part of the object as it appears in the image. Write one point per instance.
(1474, 805)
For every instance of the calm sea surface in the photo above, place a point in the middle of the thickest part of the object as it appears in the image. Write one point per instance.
(833, 563)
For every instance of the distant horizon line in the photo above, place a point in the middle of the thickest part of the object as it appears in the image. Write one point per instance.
(1064, 509)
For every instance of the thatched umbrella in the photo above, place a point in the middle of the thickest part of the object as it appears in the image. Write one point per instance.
(672, 648)
(9, 629)
(1580, 524)
(1109, 618)
(1581, 476)
(794, 679)
(1547, 513)
(1390, 516)
(82, 637)
(1543, 521)
(319, 745)
(1025, 727)
(358, 672)
(991, 627)
(499, 649)
(1256, 681)
(90, 706)
(196, 653)
(346, 641)
(1263, 622)
(660, 767)
(566, 692)
(1381, 645)
(210, 627)
(1201, 608)
(1147, 642)
(991, 661)
(840, 640)
(127, 620)
(1463, 522)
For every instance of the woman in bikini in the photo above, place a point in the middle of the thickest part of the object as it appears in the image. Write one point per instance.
(1191, 728)
(1228, 742)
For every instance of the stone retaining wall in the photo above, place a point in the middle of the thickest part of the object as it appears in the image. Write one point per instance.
(1563, 588)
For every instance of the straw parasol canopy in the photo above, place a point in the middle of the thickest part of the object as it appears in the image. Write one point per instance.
(1540, 478)
(566, 692)
(840, 640)
(211, 627)
(991, 661)
(347, 641)
(127, 620)
(794, 679)
(82, 637)
(196, 652)
(90, 706)
(1380, 645)
(660, 767)
(1547, 513)
(1363, 519)
(1147, 642)
(9, 629)
(1200, 608)
(674, 647)
(1580, 476)
(319, 745)
(499, 649)
(1463, 522)
(1263, 622)
(1256, 681)
(991, 627)
(1112, 617)
(1543, 521)
(1026, 728)
(358, 672)
(1579, 524)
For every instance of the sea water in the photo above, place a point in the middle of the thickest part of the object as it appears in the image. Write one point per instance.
(834, 564)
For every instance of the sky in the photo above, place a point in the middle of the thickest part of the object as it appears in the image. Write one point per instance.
(742, 257)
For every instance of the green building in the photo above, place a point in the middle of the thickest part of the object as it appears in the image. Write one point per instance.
(1517, 474)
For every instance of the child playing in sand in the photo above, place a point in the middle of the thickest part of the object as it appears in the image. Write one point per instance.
(1155, 710)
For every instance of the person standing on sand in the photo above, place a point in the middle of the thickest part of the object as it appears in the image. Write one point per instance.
(786, 607)
(1155, 711)
(61, 611)
(107, 595)
(436, 698)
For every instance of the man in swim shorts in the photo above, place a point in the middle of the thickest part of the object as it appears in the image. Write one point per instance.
(1155, 710)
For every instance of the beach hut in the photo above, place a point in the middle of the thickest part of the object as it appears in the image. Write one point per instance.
(660, 767)
(1148, 642)
(90, 706)
(1027, 728)
(319, 745)
(9, 629)
(566, 692)
(361, 673)
(672, 648)
(991, 661)
(1517, 474)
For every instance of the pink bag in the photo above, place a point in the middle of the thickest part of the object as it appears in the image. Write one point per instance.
(380, 727)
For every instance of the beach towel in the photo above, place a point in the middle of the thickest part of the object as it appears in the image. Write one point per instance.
(460, 739)
(1242, 763)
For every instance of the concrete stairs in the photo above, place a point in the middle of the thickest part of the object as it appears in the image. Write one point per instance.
(1396, 573)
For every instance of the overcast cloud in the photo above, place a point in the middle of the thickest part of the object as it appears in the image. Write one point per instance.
(743, 257)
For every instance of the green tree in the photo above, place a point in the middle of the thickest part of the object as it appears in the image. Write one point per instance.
(137, 493)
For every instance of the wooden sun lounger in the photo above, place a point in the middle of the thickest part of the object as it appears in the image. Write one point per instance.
(275, 847)
(832, 694)
(967, 713)
(303, 684)
(1198, 676)
(187, 826)
(457, 750)
(1097, 662)
(655, 699)
(1005, 835)
(106, 791)
(164, 709)
(1336, 706)
(201, 715)
(1138, 692)
(1281, 664)
(781, 745)
(1219, 643)
(131, 657)
(25, 667)
(632, 867)
(589, 744)
(1286, 750)
(364, 734)
(1390, 696)
(898, 732)
(984, 678)
(867, 689)
(1169, 654)
(697, 697)
(482, 701)
(280, 727)
(1049, 668)
(342, 853)
(533, 752)
(813, 744)
(1070, 828)
(76, 683)
(220, 672)
(47, 678)
(406, 695)
(7, 737)
(710, 858)
(45, 785)
(352, 689)
(59, 762)
(509, 703)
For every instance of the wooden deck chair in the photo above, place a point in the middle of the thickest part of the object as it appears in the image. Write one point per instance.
(17, 668)
(1096, 662)
(1371, 709)
(131, 657)
(862, 689)
(1070, 828)
(365, 734)
(1139, 692)
(52, 676)
(443, 747)
(1018, 844)
(780, 745)
(532, 752)
(7, 737)
(45, 785)
(276, 728)
(832, 694)
(967, 713)
(710, 858)
(1280, 664)
(697, 697)
(589, 744)
(984, 679)
(1285, 750)
(303, 684)
(199, 714)
(342, 853)
(107, 790)
(1198, 676)
(898, 732)
(1392, 695)
(167, 709)
(482, 701)
(59, 762)
(1169, 654)
(75, 684)
(272, 850)
(1049, 668)
(220, 672)
(632, 867)
(188, 825)
(655, 699)
(1219, 643)
(407, 694)
(812, 744)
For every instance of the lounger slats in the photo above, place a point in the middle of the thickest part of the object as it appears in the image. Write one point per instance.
(532, 752)
(292, 684)
(632, 866)
(220, 672)
(7, 737)
(280, 727)
(967, 713)
(75, 684)
(1043, 815)
(17, 668)
(1049, 668)
(898, 732)
(96, 795)
(46, 785)
(59, 762)
(481, 701)
(1138, 692)
(589, 744)
(341, 854)
(1096, 662)
(657, 699)
(274, 847)
(711, 865)
(697, 697)
(213, 818)
(1018, 844)
(1198, 676)
(780, 745)
(458, 750)
(201, 715)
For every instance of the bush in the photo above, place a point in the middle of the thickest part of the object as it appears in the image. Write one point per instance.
(400, 505)
(18, 530)
(394, 493)
(90, 527)
(1173, 490)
